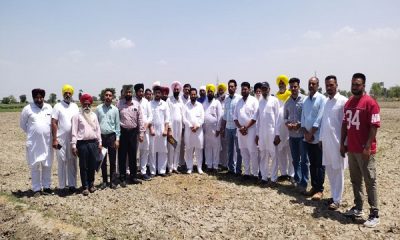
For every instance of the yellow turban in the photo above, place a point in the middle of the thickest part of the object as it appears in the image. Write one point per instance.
(222, 86)
(210, 87)
(67, 88)
(282, 78)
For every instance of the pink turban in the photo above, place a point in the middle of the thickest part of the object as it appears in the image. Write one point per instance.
(176, 84)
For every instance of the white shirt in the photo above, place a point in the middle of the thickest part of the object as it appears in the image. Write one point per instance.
(331, 125)
(161, 116)
(176, 116)
(267, 122)
(212, 122)
(36, 123)
(64, 112)
(193, 116)
(244, 112)
(147, 118)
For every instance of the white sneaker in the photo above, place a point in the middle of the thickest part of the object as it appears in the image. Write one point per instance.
(354, 212)
(200, 171)
(189, 172)
(372, 221)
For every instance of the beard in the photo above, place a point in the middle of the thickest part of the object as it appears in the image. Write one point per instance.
(176, 94)
(88, 116)
(357, 92)
(210, 98)
(128, 98)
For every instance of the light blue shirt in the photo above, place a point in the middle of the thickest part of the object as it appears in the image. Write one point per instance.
(230, 104)
(311, 116)
(108, 117)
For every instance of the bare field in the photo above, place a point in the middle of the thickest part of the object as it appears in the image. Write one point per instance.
(191, 206)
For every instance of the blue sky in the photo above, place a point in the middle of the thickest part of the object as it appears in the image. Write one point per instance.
(96, 44)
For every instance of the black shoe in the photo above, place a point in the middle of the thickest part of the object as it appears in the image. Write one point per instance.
(103, 185)
(264, 183)
(123, 184)
(47, 191)
(146, 177)
(162, 175)
(282, 178)
(113, 186)
(246, 177)
(176, 171)
(72, 190)
(135, 181)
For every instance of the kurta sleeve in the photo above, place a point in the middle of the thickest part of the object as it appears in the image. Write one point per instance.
(278, 118)
(74, 130)
(23, 121)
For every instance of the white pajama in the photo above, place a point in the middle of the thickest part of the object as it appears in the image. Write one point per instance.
(176, 125)
(336, 182)
(283, 154)
(158, 160)
(249, 160)
(334, 163)
(212, 157)
(144, 147)
(41, 176)
(67, 169)
(212, 124)
(268, 165)
(189, 158)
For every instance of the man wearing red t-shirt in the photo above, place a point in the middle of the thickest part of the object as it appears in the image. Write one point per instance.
(360, 123)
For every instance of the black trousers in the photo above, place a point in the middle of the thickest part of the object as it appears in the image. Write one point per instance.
(108, 141)
(88, 153)
(128, 142)
(317, 170)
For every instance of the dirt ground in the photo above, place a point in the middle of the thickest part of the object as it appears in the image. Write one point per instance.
(191, 206)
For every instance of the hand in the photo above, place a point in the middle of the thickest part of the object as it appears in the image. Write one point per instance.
(256, 140)
(216, 133)
(75, 151)
(308, 137)
(164, 134)
(100, 147)
(343, 150)
(194, 128)
(277, 140)
(289, 126)
(55, 143)
(152, 132)
(296, 126)
(141, 138)
(169, 133)
(116, 144)
(366, 153)
(222, 133)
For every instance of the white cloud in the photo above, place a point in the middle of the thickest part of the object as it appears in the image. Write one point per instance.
(385, 33)
(312, 35)
(345, 31)
(122, 43)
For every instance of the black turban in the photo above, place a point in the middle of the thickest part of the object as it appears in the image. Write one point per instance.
(38, 91)
(138, 86)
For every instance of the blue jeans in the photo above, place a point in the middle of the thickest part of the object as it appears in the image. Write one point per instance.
(300, 160)
(234, 165)
(317, 170)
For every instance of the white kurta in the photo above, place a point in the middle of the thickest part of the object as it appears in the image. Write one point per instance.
(176, 115)
(283, 130)
(244, 112)
(67, 164)
(212, 123)
(267, 123)
(147, 118)
(161, 116)
(36, 123)
(331, 125)
(193, 116)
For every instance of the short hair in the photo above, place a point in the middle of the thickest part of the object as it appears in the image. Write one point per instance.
(294, 80)
(109, 90)
(157, 88)
(147, 90)
(257, 86)
(331, 77)
(245, 84)
(193, 89)
(360, 75)
(232, 81)
(187, 85)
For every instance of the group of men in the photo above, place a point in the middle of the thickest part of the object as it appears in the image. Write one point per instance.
(296, 135)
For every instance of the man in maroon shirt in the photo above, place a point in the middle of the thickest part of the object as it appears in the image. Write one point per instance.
(360, 123)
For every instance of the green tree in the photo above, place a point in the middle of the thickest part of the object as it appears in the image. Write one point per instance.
(12, 99)
(101, 95)
(52, 98)
(376, 89)
(22, 98)
(302, 91)
(5, 100)
(394, 92)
